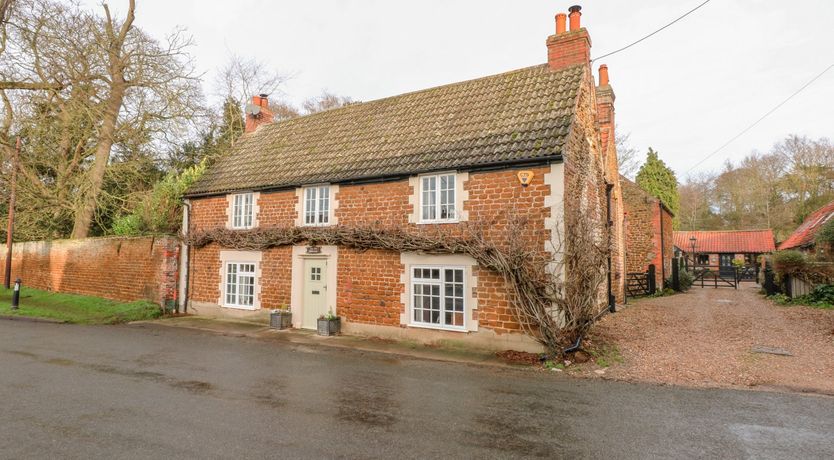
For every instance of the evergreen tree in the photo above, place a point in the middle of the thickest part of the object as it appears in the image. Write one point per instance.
(213, 141)
(660, 181)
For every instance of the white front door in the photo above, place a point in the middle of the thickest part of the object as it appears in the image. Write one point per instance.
(315, 292)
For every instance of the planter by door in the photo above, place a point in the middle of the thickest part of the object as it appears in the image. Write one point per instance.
(329, 326)
(280, 320)
(315, 292)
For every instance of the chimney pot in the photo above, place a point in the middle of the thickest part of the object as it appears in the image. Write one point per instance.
(261, 100)
(575, 14)
(264, 117)
(561, 21)
(603, 75)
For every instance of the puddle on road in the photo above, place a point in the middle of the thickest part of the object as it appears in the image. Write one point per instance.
(367, 399)
(193, 386)
(270, 393)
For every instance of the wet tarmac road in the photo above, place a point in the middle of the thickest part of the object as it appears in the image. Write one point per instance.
(154, 392)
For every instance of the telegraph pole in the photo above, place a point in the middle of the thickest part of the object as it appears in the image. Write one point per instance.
(7, 281)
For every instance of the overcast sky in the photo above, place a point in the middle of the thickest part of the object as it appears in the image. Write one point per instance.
(683, 92)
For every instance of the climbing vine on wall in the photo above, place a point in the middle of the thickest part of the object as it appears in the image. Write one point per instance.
(553, 311)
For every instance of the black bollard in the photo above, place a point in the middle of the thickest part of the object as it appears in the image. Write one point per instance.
(16, 294)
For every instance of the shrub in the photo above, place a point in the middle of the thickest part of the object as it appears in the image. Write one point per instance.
(825, 235)
(823, 293)
(686, 279)
(161, 210)
(788, 262)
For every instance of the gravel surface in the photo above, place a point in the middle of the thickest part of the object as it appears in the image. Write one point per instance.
(706, 337)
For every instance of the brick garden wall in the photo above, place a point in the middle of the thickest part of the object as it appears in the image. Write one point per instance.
(124, 269)
(643, 232)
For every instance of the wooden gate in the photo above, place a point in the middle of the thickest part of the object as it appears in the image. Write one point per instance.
(715, 276)
(641, 283)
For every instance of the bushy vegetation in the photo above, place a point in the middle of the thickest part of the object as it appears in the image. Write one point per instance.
(821, 297)
(160, 211)
(686, 279)
(788, 262)
(825, 235)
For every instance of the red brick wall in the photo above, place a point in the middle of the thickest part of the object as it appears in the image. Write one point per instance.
(369, 284)
(277, 208)
(276, 279)
(643, 233)
(114, 268)
(383, 203)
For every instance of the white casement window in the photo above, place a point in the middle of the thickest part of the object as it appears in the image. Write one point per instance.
(317, 205)
(437, 198)
(437, 297)
(243, 212)
(240, 285)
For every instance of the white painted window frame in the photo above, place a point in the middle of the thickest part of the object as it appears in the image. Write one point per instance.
(442, 287)
(243, 213)
(438, 204)
(253, 274)
(316, 202)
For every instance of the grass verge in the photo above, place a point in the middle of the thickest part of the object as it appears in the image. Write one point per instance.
(74, 308)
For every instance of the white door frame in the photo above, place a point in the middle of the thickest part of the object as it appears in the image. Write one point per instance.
(299, 255)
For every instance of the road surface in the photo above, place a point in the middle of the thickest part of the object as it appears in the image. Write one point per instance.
(154, 392)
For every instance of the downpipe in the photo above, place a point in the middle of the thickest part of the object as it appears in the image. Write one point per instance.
(576, 346)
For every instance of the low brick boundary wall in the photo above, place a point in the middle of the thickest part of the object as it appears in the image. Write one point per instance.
(115, 268)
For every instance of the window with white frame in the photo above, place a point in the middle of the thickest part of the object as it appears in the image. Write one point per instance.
(437, 198)
(317, 205)
(240, 284)
(438, 297)
(243, 210)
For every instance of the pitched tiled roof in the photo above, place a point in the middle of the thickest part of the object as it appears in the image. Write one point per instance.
(734, 241)
(805, 234)
(511, 117)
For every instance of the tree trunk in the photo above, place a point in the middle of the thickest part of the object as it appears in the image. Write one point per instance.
(118, 87)
(84, 217)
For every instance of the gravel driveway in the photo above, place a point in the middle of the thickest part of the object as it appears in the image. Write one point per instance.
(707, 337)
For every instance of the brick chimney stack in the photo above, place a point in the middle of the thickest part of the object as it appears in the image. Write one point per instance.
(605, 108)
(569, 47)
(264, 116)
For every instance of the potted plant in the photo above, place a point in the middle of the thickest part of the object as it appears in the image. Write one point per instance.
(329, 324)
(280, 318)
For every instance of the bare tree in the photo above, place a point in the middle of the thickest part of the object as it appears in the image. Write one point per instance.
(283, 110)
(115, 96)
(627, 155)
(113, 41)
(147, 84)
(241, 78)
(325, 101)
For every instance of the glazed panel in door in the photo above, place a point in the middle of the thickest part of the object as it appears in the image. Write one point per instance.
(725, 265)
(315, 292)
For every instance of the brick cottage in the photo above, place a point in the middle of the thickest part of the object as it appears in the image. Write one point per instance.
(438, 160)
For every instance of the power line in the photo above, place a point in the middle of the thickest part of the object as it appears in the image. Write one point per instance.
(751, 126)
(653, 33)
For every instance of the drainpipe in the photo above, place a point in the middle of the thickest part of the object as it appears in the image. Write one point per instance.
(185, 256)
(611, 300)
(662, 248)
